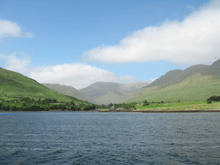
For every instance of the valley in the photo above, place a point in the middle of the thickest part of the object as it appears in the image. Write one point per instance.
(194, 84)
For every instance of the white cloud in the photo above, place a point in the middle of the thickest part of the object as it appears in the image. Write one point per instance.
(11, 29)
(17, 62)
(77, 75)
(194, 40)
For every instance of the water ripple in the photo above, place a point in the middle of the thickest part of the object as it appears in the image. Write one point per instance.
(109, 138)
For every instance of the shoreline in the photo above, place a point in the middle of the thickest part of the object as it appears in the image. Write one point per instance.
(143, 111)
(164, 111)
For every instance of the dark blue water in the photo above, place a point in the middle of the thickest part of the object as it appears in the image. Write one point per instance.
(109, 138)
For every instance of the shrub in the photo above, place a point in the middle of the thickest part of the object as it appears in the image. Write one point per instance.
(214, 98)
(145, 104)
(71, 107)
(13, 108)
(209, 101)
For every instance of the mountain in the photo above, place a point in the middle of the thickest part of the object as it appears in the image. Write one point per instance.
(197, 82)
(176, 76)
(213, 70)
(108, 92)
(13, 84)
(165, 78)
(70, 91)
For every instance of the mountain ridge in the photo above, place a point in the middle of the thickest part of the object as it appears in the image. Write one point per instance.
(70, 91)
(202, 76)
(108, 92)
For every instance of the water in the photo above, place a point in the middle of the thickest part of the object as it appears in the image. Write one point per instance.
(109, 138)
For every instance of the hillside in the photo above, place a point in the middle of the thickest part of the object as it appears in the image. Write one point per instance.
(213, 70)
(176, 76)
(108, 92)
(165, 78)
(13, 84)
(70, 91)
(195, 83)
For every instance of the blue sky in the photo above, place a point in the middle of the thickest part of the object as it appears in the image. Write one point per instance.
(80, 42)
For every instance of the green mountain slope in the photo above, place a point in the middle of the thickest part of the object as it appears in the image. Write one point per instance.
(70, 91)
(165, 78)
(13, 84)
(193, 70)
(177, 76)
(213, 70)
(195, 83)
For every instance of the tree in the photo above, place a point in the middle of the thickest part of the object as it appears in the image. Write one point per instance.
(128, 106)
(72, 103)
(5, 106)
(145, 103)
(214, 98)
(209, 101)
(24, 104)
(62, 107)
(13, 107)
(1, 105)
(87, 108)
(71, 107)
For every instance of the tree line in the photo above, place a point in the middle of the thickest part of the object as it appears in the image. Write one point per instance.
(28, 104)
(114, 106)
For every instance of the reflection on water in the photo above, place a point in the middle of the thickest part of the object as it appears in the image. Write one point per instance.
(109, 138)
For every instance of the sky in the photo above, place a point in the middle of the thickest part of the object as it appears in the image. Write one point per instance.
(80, 42)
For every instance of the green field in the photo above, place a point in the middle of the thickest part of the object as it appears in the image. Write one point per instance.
(197, 105)
(194, 88)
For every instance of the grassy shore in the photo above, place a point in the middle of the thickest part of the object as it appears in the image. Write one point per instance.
(181, 106)
(167, 107)
(174, 107)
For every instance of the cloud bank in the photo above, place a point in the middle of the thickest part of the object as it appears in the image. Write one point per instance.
(194, 40)
(11, 29)
(17, 62)
(77, 75)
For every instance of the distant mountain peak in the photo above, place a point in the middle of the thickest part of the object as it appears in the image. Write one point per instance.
(107, 92)
(70, 91)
